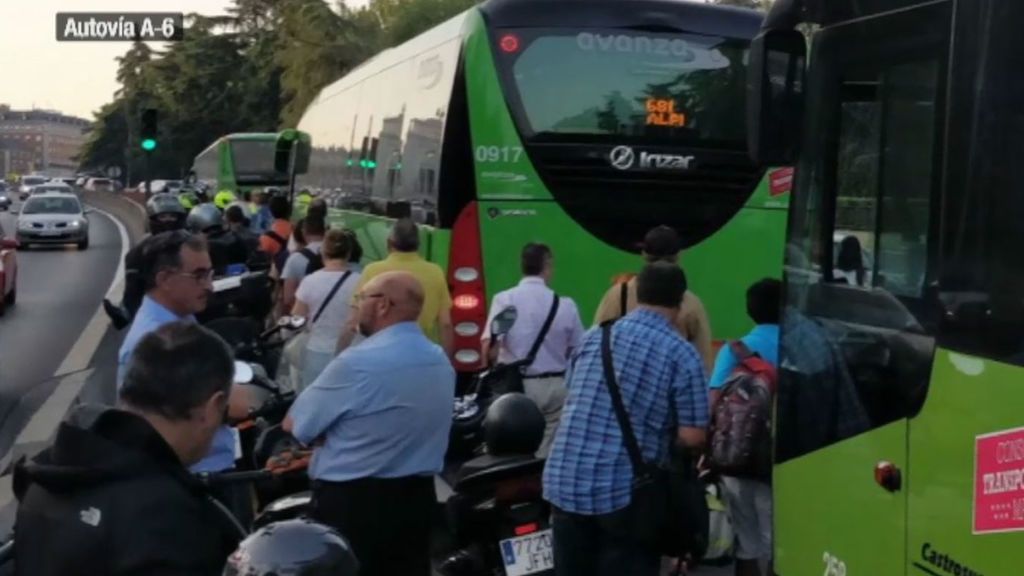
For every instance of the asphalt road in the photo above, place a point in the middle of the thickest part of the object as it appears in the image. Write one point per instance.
(59, 290)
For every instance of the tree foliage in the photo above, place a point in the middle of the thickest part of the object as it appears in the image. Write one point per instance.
(255, 69)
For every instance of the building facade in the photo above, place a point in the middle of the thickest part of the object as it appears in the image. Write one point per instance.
(40, 141)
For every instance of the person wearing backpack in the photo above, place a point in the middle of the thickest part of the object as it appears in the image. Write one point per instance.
(274, 241)
(739, 448)
(303, 262)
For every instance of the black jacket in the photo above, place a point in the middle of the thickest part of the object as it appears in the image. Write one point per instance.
(110, 498)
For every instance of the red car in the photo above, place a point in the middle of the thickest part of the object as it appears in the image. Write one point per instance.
(8, 271)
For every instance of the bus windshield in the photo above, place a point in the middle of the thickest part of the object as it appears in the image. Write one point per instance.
(615, 84)
(254, 162)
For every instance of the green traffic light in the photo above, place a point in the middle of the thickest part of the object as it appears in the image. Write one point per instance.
(149, 144)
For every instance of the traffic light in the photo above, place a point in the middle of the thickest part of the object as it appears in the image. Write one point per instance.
(148, 134)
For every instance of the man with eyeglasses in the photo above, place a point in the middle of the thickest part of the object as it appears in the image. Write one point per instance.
(179, 280)
(379, 415)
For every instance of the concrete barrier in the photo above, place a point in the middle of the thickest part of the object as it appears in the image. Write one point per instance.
(128, 207)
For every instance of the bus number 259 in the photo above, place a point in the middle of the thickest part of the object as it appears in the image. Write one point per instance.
(833, 565)
(498, 153)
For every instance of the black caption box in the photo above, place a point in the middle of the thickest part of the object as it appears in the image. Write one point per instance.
(120, 26)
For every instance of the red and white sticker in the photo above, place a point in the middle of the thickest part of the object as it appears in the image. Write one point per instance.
(781, 181)
(999, 482)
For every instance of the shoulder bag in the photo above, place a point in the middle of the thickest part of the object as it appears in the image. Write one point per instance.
(668, 509)
(506, 378)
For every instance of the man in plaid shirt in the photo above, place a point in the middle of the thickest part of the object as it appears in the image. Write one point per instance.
(588, 475)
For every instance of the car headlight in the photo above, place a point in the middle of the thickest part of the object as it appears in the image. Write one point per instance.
(24, 224)
(75, 224)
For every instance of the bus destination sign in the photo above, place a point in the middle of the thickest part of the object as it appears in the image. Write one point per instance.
(662, 112)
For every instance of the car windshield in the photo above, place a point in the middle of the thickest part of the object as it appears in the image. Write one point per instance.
(33, 181)
(55, 205)
(53, 188)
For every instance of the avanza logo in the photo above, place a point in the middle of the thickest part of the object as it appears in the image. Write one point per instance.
(624, 158)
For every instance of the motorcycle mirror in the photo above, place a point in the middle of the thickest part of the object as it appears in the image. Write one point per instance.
(243, 373)
(503, 321)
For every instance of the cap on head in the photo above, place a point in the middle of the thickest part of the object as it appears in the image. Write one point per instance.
(661, 242)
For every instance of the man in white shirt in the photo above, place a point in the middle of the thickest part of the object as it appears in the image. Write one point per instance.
(544, 380)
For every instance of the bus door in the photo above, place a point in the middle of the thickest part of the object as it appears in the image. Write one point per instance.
(859, 323)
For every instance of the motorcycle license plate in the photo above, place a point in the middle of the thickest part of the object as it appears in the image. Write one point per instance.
(528, 554)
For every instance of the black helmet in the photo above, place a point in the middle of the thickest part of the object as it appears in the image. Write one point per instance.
(204, 217)
(293, 548)
(514, 425)
(165, 213)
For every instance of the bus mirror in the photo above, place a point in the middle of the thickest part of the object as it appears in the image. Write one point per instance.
(292, 142)
(775, 95)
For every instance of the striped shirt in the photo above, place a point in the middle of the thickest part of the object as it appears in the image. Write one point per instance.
(662, 382)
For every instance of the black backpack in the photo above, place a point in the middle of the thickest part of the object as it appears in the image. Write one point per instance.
(313, 260)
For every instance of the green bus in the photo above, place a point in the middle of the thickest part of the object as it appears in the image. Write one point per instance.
(899, 440)
(578, 124)
(239, 162)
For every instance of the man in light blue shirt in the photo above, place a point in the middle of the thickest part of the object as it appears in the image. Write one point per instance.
(749, 500)
(178, 274)
(379, 415)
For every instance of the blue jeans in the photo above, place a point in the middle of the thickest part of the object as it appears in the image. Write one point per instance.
(587, 545)
(313, 364)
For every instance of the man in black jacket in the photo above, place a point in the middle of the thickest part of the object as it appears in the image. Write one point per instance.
(113, 496)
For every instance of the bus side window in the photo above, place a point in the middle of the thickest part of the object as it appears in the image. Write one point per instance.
(858, 335)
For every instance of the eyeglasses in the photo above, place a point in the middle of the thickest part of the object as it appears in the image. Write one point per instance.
(359, 298)
(199, 275)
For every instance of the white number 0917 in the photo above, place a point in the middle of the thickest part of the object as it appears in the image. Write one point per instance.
(498, 153)
(833, 565)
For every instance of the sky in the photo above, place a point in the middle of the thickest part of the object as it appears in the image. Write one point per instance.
(75, 78)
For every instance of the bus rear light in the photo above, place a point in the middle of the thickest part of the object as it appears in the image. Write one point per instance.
(466, 302)
(465, 278)
(471, 357)
(467, 329)
(466, 274)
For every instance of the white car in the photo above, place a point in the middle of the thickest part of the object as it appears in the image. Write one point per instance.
(28, 183)
(52, 188)
(53, 218)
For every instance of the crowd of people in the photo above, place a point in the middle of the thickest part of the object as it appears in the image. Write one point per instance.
(376, 384)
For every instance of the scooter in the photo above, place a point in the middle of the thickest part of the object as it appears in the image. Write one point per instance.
(465, 440)
(497, 514)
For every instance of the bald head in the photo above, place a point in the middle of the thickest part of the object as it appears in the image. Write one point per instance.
(404, 291)
(389, 299)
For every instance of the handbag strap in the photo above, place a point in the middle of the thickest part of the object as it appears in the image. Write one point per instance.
(543, 334)
(330, 295)
(629, 439)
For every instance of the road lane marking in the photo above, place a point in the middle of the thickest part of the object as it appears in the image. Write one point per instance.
(49, 415)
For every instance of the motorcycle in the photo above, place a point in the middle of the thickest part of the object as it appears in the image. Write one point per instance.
(497, 515)
(465, 440)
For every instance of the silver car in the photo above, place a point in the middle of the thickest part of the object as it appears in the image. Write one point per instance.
(28, 183)
(5, 197)
(51, 218)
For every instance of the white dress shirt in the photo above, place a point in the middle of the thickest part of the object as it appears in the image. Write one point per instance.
(532, 299)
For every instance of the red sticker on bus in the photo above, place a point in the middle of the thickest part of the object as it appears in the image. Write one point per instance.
(999, 482)
(781, 181)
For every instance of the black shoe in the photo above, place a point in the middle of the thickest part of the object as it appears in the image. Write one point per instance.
(117, 314)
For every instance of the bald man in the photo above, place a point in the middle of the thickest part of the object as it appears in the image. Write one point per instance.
(380, 414)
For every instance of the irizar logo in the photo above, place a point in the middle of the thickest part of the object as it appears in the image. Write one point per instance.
(623, 158)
